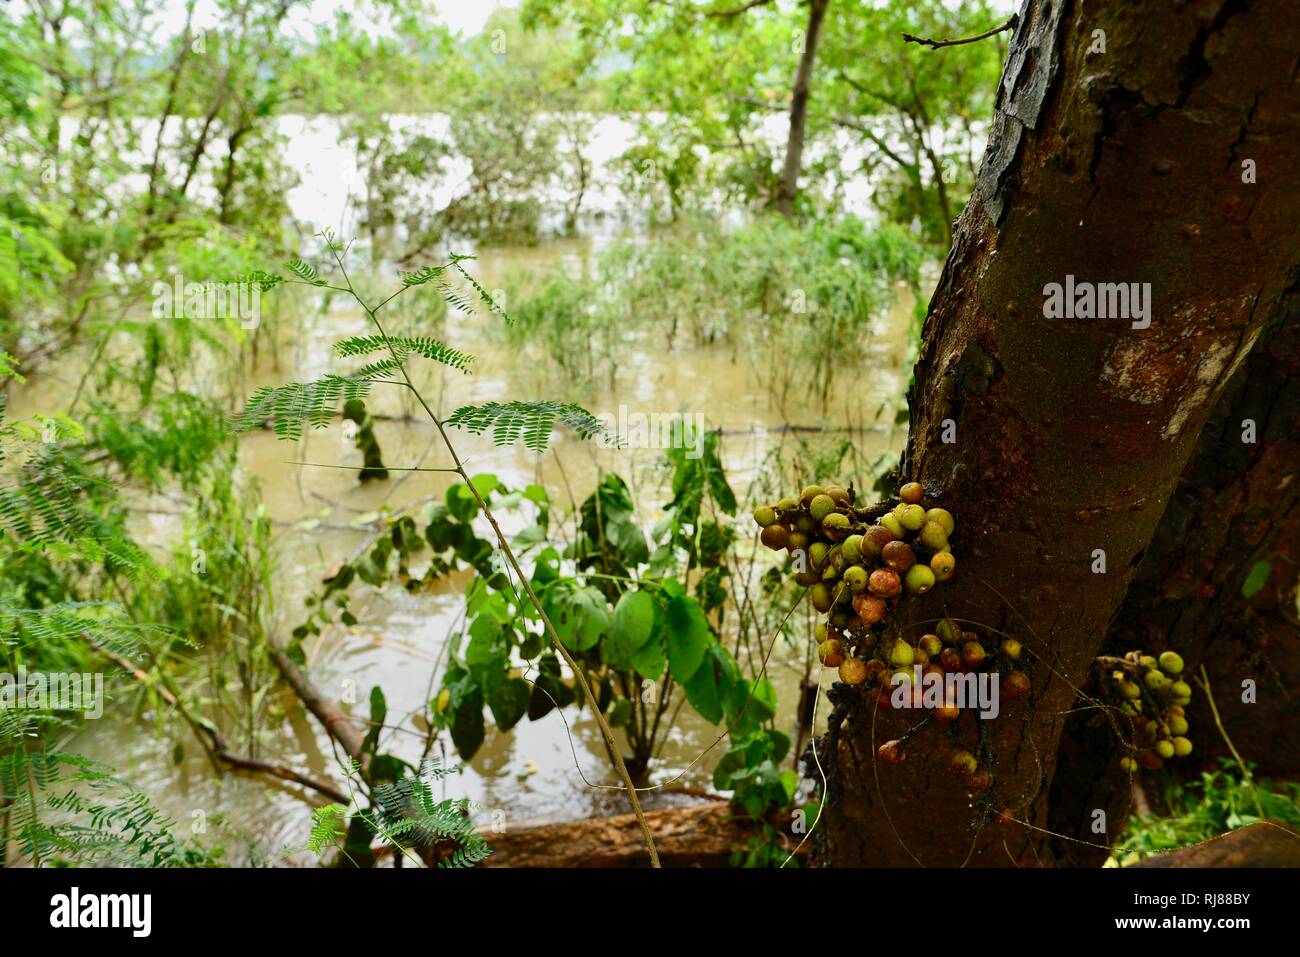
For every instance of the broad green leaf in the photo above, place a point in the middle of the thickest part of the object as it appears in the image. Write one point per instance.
(487, 645)
(579, 616)
(652, 658)
(717, 476)
(546, 568)
(528, 537)
(790, 782)
(486, 483)
(509, 702)
(548, 690)
(465, 717)
(633, 623)
(689, 636)
(461, 502)
(748, 712)
(702, 693)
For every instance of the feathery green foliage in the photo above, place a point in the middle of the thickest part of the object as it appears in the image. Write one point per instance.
(286, 407)
(531, 421)
(327, 827)
(405, 814)
(102, 624)
(116, 825)
(425, 346)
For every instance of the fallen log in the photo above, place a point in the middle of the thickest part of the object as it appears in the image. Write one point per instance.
(703, 835)
(1266, 844)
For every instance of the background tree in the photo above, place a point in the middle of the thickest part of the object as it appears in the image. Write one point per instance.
(920, 111)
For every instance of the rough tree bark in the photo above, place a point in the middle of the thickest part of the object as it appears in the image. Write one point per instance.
(1070, 434)
(1237, 513)
(788, 188)
(1237, 505)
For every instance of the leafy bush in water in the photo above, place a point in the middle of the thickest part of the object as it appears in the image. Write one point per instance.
(615, 596)
(802, 297)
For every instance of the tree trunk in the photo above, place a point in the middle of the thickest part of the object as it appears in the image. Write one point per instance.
(1220, 578)
(1235, 507)
(1123, 166)
(789, 185)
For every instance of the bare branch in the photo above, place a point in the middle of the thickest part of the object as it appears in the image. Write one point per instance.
(935, 44)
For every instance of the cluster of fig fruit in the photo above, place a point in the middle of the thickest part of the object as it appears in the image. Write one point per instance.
(1152, 693)
(859, 562)
(949, 650)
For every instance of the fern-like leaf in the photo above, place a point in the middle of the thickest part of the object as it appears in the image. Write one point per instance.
(531, 421)
(455, 298)
(468, 856)
(286, 407)
(483, 293)
(421, 276)
(103, 624)
(305, 271)
(326, 827)
(403, 346)
(265, 281)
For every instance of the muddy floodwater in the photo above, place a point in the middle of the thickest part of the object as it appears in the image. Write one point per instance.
(535, 772)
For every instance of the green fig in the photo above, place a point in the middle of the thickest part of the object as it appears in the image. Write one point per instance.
(933, 536)
(1171, 662)
(820, 507)
(856, 578)
(912, 517)
(943, 518)
(919, 580)
(902, 656)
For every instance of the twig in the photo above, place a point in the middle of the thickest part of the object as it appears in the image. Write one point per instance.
(935, 44)
(1204, 682)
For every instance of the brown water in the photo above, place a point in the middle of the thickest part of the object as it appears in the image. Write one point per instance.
(530, 773)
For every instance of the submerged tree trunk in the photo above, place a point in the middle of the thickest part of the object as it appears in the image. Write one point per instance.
(788, 188)
(1057, 440)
